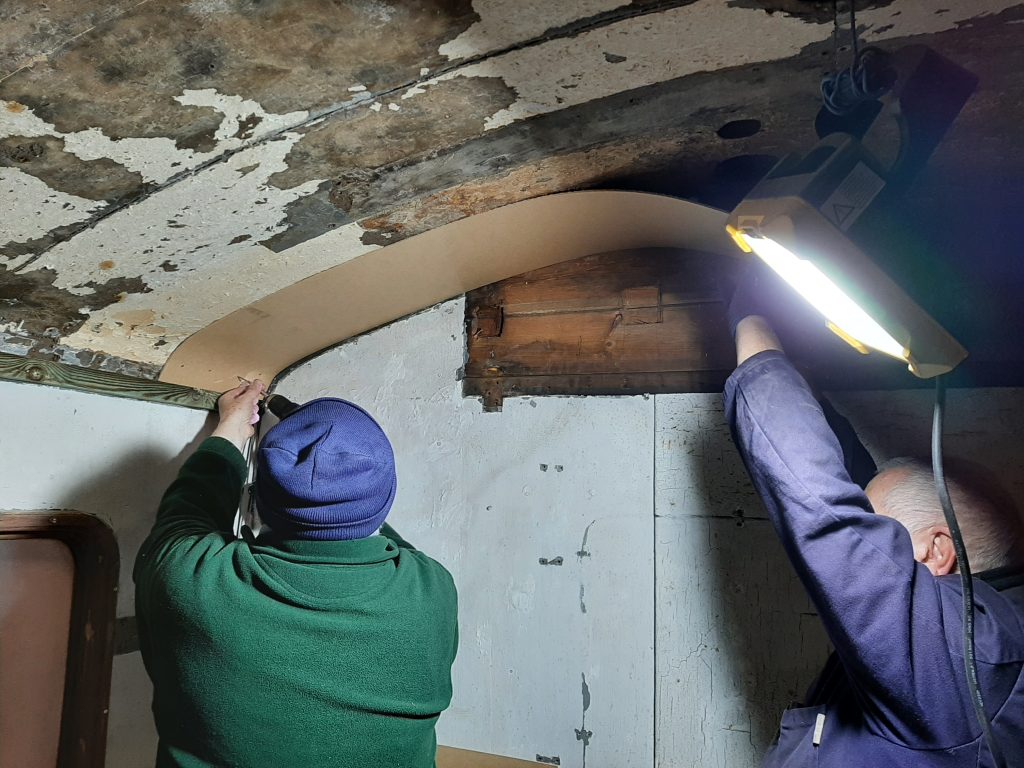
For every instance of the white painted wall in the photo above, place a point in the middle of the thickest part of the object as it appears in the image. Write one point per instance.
(112, 458)
(696, 634)
(490, 495)
(737, 637)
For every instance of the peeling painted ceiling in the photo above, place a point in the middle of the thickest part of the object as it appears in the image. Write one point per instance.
(166, 162)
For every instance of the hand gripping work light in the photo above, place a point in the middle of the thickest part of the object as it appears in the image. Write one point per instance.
(803, 220)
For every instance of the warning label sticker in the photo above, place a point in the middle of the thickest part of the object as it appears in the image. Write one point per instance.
(845, 205)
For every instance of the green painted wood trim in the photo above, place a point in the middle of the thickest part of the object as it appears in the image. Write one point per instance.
(23, 369)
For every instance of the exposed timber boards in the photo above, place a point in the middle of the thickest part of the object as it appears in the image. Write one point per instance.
(646, 321)
(494, 389)
(691, 337)
(28, 370)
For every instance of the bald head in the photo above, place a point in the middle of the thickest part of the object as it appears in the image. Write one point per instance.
(993, 531)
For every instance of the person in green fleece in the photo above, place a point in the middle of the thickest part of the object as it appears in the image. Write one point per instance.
(326, 640)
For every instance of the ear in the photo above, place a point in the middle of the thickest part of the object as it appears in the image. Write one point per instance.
(933, 548)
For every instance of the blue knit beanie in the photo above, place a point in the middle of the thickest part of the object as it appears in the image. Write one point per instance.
(325, 472)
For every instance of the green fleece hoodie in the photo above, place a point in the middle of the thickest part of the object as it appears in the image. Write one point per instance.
(275, 653)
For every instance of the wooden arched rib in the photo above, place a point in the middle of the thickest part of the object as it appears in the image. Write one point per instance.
(378, 287)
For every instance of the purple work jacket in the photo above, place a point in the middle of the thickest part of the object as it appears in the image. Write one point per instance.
(894, 691)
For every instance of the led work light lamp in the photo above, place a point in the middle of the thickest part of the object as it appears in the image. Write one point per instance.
(802, 218)
(806, 245)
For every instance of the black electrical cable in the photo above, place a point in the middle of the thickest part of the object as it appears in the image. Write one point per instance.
(280, 406)
(853, 27)
(967, 585)
(868, 77)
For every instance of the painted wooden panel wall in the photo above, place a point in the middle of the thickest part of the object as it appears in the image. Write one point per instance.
(737, 638)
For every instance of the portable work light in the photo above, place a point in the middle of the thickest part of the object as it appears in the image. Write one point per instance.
(807, 216)
(796, 220)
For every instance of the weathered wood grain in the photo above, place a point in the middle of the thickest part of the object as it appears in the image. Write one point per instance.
(687, 338)
(28, 370)
(635, 322)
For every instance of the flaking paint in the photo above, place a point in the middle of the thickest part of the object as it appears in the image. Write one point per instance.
(503, 24)
(703, 36)
(542, 75)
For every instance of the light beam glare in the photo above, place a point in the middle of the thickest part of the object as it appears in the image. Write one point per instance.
(825, 296)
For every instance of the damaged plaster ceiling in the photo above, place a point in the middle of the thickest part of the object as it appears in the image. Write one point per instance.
(166, 162)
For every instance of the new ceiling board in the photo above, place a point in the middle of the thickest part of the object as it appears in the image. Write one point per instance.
(449, 757)
(374, 289)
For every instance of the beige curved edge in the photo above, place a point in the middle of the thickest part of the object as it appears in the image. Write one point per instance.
(380, 286)
(449, 757)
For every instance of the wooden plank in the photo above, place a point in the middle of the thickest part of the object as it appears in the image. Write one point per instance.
(450, 757)
(688, 338)
(605, 383)
(494, 390)
(28, 370)
(600, 281)
(629, 322)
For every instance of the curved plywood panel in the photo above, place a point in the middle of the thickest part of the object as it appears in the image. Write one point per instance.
(380, 286)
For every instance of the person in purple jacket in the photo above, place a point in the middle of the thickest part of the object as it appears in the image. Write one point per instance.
(875, 555)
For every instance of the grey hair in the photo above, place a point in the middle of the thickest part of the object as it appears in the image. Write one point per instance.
(989, 520)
